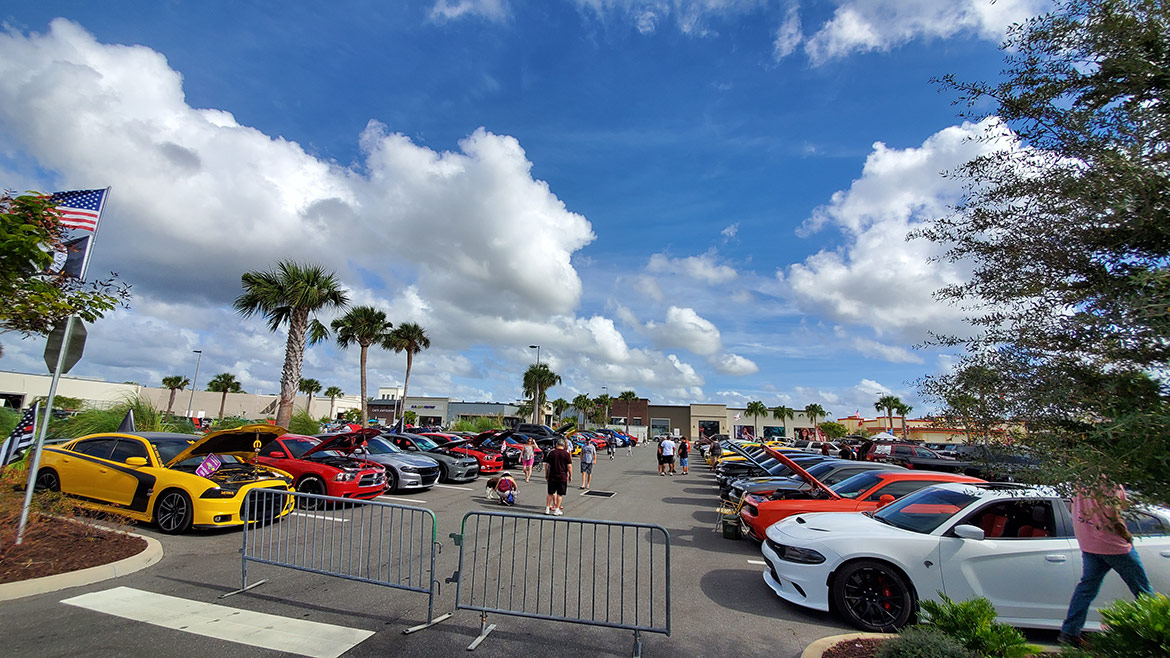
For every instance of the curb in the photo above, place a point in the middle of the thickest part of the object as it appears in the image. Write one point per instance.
(22, 588)
(819, 647)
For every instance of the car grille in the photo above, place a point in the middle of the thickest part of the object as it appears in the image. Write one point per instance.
(429, 475)
(372, 479)
(263, 507)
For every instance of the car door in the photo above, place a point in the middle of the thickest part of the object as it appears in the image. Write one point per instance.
(82, 471)
(1025, 565)
(120, 483)
(1151, 538)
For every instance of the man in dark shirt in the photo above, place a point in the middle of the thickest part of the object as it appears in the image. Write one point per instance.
(558, 473)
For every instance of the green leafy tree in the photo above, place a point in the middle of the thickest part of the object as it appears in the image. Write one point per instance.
(834, 430)
(34, 297)
(783, 414)
(1066, 241)
(755, 409)
(601, 406)
(290, 295)
(411, 338)
(537, 380)
(366, 326)
(352, 415)
(302, 422)
(583, 404)
(888, 403)
(223, 383)
(333, 393)
(174, 383)
(903, 410)
(629, 397)
(309, 387)
(814, 411)
(559, 406)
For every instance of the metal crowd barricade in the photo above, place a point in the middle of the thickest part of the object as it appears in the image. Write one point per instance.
(582, 571)
(364, 540)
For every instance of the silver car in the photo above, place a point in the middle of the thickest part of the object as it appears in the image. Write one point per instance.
(404, 471)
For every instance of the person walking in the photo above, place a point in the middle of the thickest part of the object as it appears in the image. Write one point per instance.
(666, 450)
(846, 451)
(610, 445)
(558, 473)
(528, 458)
(1105, 544)
(588, 458)
(825, 449)
(684, 452)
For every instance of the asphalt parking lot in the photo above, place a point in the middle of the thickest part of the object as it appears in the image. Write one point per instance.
(720, 604)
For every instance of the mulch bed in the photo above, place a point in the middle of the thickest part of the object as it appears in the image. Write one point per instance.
(859, 648)
(55, 545)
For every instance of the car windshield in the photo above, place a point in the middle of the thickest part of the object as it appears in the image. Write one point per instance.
(168, 449)
(423, 443)
(822, 468)
(298, 447)
(378, 446)
(925, 509)
(854, 486)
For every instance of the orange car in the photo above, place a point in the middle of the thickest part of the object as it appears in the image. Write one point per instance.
(860, 493)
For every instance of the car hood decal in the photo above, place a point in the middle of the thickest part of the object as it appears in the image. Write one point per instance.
(240, 442)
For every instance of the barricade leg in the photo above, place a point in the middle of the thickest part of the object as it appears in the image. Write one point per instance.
(484, 631)
(637, 644)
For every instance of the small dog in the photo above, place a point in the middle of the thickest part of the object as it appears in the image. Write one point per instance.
(490, 490)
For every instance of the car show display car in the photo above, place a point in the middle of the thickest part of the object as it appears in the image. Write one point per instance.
(326, 467)
(177, 481)
(1012, 544)
(490, 461)
(453, 466)
(404, 472)
(829, 471)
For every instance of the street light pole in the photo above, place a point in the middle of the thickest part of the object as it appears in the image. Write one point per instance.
(605, 392)
(536, 398)
(195, 381)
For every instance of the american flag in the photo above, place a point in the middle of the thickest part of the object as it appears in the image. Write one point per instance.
(22, 436)
(79, 208)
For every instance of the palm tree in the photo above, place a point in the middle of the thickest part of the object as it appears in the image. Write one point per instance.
(310, 386)
(582, 404)
(290, 295)
(333, 393)
(903, 410)
(410, 338)
(176, 383)
(537, 380)
(756, 409)
(364, 325)
(223, 383)
(888, 403)
(781, 413)
(602, 403)
(559, 405)
(814, 411)
(628, 397)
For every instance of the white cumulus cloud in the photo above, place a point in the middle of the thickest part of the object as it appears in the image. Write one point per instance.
(701, 268)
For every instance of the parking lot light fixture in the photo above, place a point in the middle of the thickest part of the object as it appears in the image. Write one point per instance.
(194, 381)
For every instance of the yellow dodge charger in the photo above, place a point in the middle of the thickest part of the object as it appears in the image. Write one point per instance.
(174, 480)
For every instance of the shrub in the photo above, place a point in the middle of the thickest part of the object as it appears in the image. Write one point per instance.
(922, 642)
(1134, 629)
(302, 423)
(92, 421)
(229, 422)
(8, 419)
(478, 424)
(973, 624)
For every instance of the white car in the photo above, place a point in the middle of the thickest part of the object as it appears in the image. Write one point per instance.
(1012, 544)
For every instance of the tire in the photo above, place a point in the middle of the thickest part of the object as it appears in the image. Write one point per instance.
(311, 485)
(173, 512)
(873, 596)
(444, 474)
(391, 481)
(47, 480)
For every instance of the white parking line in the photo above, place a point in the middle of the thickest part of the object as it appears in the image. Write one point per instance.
(756, 562)
(318, 516)
(299, 636)
(451, 486)
(395, 499)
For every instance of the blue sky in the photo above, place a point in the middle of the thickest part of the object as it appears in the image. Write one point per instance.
(699, 200)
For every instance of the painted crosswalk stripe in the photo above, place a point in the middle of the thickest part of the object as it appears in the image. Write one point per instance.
(318, 516)
(450, 486)
(257, 629)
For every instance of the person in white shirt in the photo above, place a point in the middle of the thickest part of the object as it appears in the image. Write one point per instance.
(666, 456)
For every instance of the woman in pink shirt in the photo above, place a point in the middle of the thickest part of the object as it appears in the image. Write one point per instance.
(1105, 544)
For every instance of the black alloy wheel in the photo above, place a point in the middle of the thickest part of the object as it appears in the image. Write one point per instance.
(173, 512)
(873, 596)
(47, 480)
(311, 485)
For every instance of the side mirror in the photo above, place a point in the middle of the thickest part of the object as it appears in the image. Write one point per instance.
(886, 499)
(136, 461)
(276, 455)
(968, 531)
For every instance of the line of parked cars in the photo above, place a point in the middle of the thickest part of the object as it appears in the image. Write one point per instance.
(869, 539)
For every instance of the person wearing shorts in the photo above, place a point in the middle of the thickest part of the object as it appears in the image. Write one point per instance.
(528, 458)
(588, 458)
(666, 456)
(684, 453)
(558, 473)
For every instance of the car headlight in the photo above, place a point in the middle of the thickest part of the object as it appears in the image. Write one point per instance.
(409, 469)
(796, 554)
(344, 477)
(216, 492)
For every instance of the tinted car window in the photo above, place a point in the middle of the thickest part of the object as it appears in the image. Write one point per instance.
(899, 489)
(298, 447)
(168, 449)
(378, 446)
(1141, 524)
(96, 447)
(127, 448)
(852, 487)
(839, 475)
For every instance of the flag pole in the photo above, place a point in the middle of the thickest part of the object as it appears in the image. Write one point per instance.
(35, 464)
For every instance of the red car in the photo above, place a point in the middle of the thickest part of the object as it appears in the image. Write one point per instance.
(490, 461)
(325, 467)
(860, 493)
